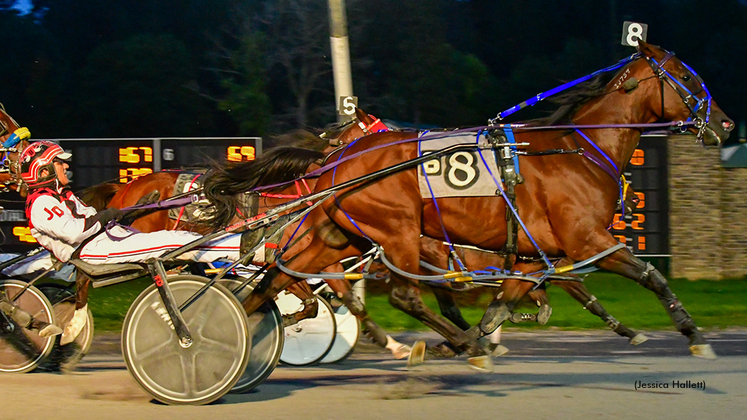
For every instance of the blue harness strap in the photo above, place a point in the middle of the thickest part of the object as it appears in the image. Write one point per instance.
(510, 137)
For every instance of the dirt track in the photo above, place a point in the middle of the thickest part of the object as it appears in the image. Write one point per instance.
(371, 386)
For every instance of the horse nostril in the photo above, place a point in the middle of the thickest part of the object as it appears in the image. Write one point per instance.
(728, 125)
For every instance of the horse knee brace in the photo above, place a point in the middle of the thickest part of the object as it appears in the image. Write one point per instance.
(351, 300)
(596, 308)
(496, 314)
(653, 280)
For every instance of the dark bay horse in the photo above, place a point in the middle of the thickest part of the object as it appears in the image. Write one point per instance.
(566, 201)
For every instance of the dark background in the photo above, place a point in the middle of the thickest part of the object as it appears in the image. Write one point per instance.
(144, 68)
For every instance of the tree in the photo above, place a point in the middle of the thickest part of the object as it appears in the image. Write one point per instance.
(245, 79)
(296, 61)
(143, 86)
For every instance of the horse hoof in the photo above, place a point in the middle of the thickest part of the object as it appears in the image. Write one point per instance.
(401, 352)
(442, 351)
(703, 350)
(482, 364)
(499, 351)
(417, 354)
(49, 330)
(638, 339)
(544, 314)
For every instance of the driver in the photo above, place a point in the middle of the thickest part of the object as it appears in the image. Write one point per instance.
(67, 227)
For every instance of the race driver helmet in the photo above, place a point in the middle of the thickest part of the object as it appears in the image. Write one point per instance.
(39, 156)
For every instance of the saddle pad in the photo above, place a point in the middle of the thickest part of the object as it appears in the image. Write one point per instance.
(459, 174)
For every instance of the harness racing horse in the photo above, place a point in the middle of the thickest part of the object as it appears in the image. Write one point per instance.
(566, 200)
(223, 184)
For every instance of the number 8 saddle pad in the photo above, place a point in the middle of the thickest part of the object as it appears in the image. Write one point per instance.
(462, 173)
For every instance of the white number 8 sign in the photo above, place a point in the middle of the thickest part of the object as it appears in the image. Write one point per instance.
(632, 31)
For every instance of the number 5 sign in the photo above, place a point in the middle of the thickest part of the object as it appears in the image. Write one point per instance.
(348, 105)
(632, 31)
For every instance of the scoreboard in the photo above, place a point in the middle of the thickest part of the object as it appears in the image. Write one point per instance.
(120, 160)
(646, 231)
(96, 161)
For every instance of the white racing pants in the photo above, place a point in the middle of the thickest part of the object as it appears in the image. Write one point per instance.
(119, 245)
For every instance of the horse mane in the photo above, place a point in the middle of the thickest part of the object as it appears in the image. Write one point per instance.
(224, 182)
(99, 196)
(569, 101)
(303, 138)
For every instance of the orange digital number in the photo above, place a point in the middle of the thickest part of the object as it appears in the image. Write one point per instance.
(621, 238)
(641, 199)
(240, 153)
(638, 158)
(128, 174)
(132, 154)
(641, 243)
(636, 224)
(23, 234)
(618, 224)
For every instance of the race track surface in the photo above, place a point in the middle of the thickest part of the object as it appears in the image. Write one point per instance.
(553, 375)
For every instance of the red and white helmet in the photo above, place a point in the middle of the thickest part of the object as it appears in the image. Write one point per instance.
(37, 157)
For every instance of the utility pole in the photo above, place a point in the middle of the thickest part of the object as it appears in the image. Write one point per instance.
(340, 46)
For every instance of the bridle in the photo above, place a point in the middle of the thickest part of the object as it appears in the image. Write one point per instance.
(376, 126)
(684, 93)
(8, 165)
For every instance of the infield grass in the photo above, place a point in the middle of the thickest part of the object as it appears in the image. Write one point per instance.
(713, 305)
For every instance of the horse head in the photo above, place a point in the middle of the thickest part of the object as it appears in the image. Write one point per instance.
(10, 169)
(347, 132)
(684, 96)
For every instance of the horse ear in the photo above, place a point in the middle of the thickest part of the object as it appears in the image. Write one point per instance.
(362, 115)
(646, 49)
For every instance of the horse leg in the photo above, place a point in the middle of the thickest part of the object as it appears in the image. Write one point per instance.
(578, 291)
(344, 291)
(312, 259)
(511, 291)
(539, 297)
(448, 306)
(80, 316)
(303, 291)
(406, 297)
(623, 262)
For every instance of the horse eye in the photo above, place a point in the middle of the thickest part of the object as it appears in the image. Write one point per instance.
(686, 77)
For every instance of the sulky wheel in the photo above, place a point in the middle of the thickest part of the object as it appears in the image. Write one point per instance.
(206, 370)
(266, 330)
(21, 349)
(348, 332)
(309, 340)
(65, 358)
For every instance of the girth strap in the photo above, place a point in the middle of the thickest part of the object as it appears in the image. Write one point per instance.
(508, 163)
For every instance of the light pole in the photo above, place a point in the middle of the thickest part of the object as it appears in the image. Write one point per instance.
(340, 46)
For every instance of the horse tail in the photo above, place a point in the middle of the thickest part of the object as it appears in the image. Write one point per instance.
(100, 195)
(224, 182)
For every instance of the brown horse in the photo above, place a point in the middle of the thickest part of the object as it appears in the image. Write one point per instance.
(233, 182)
(566, 200)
